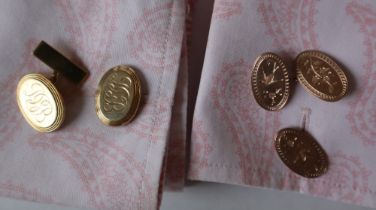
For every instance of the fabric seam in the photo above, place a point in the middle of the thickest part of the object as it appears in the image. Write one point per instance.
(159, 90)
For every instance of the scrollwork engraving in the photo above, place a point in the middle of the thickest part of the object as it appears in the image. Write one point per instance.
(37, 102)
(117, 93)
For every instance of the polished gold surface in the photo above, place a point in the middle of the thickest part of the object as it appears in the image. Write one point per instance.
(270, 82)
(118, 96)
(40, 102)
(321, 76)
(301, 152)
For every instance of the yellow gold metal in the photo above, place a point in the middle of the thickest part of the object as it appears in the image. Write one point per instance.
(321, 76)
(118, 96)
(301, 152)
(38, 99)
(270, 82)
(40, 102)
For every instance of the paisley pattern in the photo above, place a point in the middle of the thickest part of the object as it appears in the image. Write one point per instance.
(149, 125)
(250, 127)
(106, 169)
(19, 191)
(290, 24)
(13, 117)
(362, 112)
(234, 122)
(347, 179)
(113, 177)
(90, 35)
(150, 34)
(109, 169)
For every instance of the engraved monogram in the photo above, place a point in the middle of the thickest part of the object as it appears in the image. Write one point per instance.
(37, 102)
(117, 93)
(118, 96)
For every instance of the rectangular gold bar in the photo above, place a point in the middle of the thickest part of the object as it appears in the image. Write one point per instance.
(59, 63)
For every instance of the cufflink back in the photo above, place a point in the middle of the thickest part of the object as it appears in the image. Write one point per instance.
(38, 99)
(40, 102)
(118, 96)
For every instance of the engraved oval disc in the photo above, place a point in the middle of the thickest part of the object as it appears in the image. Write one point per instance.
(321, 76)
(301, 152)
(40, 102)
(270, 82)
(118, 96)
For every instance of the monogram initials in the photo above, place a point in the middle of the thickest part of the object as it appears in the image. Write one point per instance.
(37, 102)
(117, 93)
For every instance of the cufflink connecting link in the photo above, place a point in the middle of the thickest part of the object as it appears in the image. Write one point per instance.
(38, 98)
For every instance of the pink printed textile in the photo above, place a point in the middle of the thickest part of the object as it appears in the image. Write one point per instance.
(232, 137)
(86, 163)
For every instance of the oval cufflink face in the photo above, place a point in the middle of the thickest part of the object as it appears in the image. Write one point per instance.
(270, 82)
(118, 96)
(321, 76)
(301, 153)
(40, 103)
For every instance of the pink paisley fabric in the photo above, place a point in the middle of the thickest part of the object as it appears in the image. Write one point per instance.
(85, 163)
(88, 164)
(232, 137)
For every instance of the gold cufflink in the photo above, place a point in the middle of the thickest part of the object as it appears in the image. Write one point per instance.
(300, 151)
(270, 82)
(38, 99)
(316, 72)
(321, 76)
(118, 96)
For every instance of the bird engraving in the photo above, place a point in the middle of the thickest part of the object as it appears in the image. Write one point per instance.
(269, 79)
(269, 91)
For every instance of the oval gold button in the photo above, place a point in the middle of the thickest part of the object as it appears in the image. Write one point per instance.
(301, 152)
(40, 102)
(270, 82)
(118, 96)
(321, 76)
